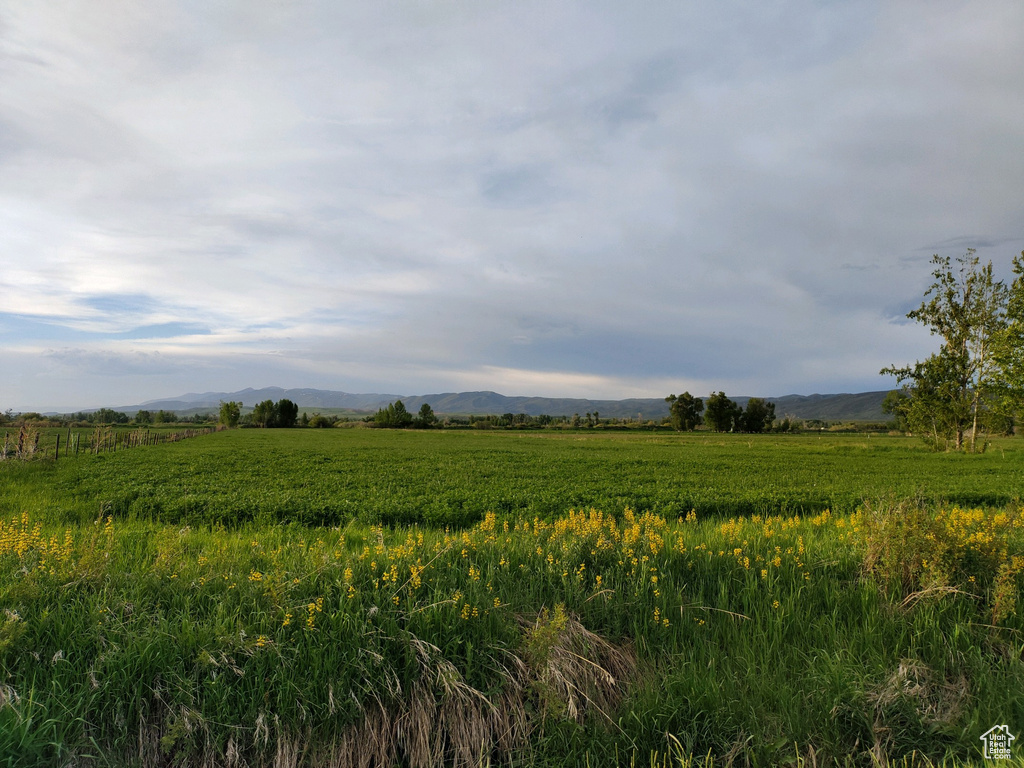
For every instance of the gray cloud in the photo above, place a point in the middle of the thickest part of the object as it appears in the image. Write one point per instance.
(963, 242)
(583, 198)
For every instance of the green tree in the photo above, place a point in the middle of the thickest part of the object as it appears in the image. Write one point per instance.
(1009, 350)
(283, 413)
(758, 416)
(950, 394)
(143, 417)
(685, 411)
(265, 414)
(165, 417)
(394, 415)
(287, 413)
(402, 417)
(230, 413)
(896, 403)
(106, 416)
(426, 418)
(721, 413)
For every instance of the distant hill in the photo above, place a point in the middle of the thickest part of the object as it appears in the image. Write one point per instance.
(305, 398)
(866, 406)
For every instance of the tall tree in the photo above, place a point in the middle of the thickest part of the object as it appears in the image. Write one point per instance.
(949, 395)
(1010, 347)
(426, 418)
(265, 414)
(758, 416)
(721, 413)
(394, 415)
(230, 413)
(685, 411)
(287, 413)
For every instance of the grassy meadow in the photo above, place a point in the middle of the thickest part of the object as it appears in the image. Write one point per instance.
(368, 597)
(453, 478)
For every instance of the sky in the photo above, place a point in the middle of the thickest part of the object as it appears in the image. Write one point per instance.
(562, 199)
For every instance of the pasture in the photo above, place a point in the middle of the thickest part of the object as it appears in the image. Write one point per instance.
(363, 597)
(394, 477)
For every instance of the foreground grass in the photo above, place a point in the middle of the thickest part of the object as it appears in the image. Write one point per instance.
(890, 633)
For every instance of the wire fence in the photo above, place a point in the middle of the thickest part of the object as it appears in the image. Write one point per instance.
(29, 442)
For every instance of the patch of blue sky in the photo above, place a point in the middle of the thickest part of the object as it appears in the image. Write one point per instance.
(162, 331)
(14, 327)
(121, 304)
(30, 328)
(275, 325)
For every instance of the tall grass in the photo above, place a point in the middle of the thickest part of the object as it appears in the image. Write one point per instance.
(828, 639)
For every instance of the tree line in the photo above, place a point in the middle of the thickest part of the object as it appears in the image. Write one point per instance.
(105, 416)
(396, 416)
(284, 413)
(721, 414)
(266, 414)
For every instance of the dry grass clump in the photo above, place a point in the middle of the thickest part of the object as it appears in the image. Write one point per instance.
(913, 686)
(441, 720)
(573, 671)
(937, 701)
(562, 670)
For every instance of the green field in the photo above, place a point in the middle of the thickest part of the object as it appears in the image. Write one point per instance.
(374, 597)
(329, 477)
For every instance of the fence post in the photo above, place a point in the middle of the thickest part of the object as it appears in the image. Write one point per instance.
(56, 452)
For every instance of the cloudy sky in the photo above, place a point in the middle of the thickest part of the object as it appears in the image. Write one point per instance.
(587, 199)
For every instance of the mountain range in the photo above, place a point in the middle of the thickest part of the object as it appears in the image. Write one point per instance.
(865, 406)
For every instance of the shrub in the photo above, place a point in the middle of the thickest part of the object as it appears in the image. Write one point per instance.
(914, 551)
